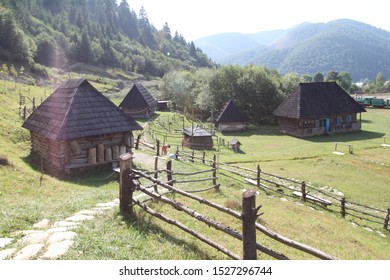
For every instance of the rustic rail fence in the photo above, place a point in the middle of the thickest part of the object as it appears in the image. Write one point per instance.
(130, 182)
(288, 187)
(26, 107)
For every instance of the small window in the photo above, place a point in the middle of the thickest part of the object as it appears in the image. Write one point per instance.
(339, 120)
(348, 119)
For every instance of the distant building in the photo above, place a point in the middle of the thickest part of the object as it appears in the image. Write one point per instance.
(197, 138)
(78, 127)
(230, 118)
(318, 108)
(139, 103)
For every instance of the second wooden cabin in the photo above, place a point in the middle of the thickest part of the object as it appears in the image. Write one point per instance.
(230, 118)
(139, 103)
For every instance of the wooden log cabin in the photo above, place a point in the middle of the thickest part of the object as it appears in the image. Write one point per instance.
(317, 109)
(230, 118)
(197, 138)
(77, 127)
(139, 103)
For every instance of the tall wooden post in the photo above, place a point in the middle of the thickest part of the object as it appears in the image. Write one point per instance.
(258, 175)
(203, 157)
(155, 172)
(158, 147)
(343, 212)
(169, 172)
(192, 155)
(125, 188)
(386, 222)
(177, 152)
(214, 170)
(138, 139)
(303, 190)
(249, 216)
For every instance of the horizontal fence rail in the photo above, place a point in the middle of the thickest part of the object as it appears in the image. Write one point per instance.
(130, 175)
(293, 188)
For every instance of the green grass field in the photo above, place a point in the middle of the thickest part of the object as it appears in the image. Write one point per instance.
(27, 196)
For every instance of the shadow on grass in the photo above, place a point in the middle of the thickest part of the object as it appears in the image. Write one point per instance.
(144, 223)
(253, 130)
(346, 137)
(96, 177)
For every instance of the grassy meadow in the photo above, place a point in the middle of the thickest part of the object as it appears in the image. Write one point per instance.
(27, 195)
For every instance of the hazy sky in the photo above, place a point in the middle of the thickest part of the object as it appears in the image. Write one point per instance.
(199, 18)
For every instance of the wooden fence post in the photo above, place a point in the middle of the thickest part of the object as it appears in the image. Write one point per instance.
(155, 172)
(343, 212)
(203, 157)
(192, 155)
(177, 152)
(138, 140)
(303, 190)
(169, 172)
(386, 222)
(258, 175)
(157, 147)
(125, 188)
(214, 170)
(249, 216)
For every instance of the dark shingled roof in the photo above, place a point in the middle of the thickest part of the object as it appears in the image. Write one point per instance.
(138, 97)
(197, 132)
(316, 100)
(76, 109)
(230, 113)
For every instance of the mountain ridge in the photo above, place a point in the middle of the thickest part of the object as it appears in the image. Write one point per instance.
(308, 48)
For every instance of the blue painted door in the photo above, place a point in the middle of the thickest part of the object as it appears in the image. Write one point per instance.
(327, 127)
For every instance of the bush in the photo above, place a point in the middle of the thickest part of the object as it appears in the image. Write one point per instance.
(4, 160)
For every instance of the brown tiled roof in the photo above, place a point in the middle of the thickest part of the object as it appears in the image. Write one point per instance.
(76, 109)
(230, 113)
(316, 100)
(138, 97)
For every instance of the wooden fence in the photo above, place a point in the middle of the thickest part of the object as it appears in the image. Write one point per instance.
(130, 182)
(26, 107)
(292, 188)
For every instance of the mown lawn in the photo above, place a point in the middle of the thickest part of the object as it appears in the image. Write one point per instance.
(27, 195)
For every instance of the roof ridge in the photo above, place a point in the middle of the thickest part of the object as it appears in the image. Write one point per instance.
(72, 99)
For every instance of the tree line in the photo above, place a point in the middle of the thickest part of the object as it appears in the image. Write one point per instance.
(256, 90)
(98, 32)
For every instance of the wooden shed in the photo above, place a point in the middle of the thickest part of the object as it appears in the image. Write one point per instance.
(78, 127)
(317, 109)
(235, 144)
(230, 118)
(197, 138)
(139, 103)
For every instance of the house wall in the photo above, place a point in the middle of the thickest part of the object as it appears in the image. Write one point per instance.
(199, 143)
(64, 155)
(138, 112)
(313, 127)
(232, 126)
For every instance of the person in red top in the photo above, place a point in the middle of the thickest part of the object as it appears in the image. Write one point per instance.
(165, 148)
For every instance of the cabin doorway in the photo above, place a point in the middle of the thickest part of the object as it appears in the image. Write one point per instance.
(325, 123)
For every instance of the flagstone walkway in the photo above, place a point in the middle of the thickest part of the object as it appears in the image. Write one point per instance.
(49, 241)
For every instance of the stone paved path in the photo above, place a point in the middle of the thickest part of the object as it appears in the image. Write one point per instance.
(48, 241)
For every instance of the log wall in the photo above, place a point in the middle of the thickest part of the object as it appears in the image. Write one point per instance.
(90, 150)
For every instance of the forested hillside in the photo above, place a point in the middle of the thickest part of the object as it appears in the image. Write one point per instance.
(341, 45)
(60, 33)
